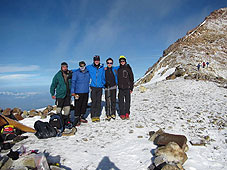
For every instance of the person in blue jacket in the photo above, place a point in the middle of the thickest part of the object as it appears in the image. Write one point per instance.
(80, 90)
(110, 89)
(96, 71)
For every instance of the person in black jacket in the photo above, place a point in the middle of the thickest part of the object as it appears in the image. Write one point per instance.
(110, 89)
(125, 85)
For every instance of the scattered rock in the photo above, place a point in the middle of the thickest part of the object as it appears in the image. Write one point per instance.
(142, 89)
(172, 153)
(139, 136)
(170, 167)
(6, 112)
(49, 108)
(18, 116)
(165, 138)
(5, 163)
(25, 114)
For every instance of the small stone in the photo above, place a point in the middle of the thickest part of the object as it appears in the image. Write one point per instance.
(131, 131)
(139, 126)
(140, 136)
(85, 139)
(6, 112)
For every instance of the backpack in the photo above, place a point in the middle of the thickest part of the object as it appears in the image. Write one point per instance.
(44, 130)
(57, 122)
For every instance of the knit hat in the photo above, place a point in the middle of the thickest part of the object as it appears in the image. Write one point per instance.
(82, 64)
(109, 59)
(96, 58)
(122, 58)
(64, 64)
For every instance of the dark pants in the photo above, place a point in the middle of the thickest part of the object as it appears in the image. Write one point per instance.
(110, 96)
(124, 98)
(96, 97)
(81, 105)
(62, 102)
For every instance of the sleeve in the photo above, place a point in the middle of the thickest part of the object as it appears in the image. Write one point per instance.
(73, 87)
(53, 85)
(103, 77)
(131, 77)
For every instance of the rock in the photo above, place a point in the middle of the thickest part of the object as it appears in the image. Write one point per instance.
(5, 162)
(52, 167)
(165, 138)
(6, 112)
(49, 108)
(18, 116)
(25, 114)
(159, 160)
(142, 89)
(33, 161)
(172, 153)
(54, 108)
(170, 167)
(16, 110)
(154, 134)
(198, 142)
(33, 113)
(43, 117)
(45, 112)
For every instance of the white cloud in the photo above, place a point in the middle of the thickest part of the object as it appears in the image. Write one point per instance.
(17, 76)
(14, 68)
(19, 94)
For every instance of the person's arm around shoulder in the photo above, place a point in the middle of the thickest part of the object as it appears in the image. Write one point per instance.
(74, 79)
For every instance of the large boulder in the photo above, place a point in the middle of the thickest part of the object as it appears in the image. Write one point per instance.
(172, 153)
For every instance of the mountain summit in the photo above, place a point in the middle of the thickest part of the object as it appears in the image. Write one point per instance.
(205, 43)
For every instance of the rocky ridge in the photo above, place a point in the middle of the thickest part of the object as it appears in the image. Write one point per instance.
(205, 43)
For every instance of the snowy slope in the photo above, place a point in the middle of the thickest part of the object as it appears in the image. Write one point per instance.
(196, 109)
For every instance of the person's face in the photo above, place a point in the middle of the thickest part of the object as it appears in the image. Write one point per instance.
(109, 63)
(64, 68)
(122, 62)
(96, 62)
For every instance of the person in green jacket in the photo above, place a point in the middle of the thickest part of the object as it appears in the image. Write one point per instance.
(60, 89)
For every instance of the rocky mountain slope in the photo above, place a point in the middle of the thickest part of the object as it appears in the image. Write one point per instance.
(205, 43)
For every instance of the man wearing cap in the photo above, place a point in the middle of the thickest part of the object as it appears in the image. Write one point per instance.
(125, 85)
(96, 71)
(80, 90)
(61, 85)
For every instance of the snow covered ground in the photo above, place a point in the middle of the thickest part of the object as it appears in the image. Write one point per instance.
(196, 109)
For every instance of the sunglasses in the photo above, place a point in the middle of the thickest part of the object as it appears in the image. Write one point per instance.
(122, 61)
(109, 63)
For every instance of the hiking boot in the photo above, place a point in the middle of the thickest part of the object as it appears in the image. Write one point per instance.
(83, 120)
(93, 119)
(122, 117)
(127, 116)
(97, 119)
(113, 117)
(108, 118)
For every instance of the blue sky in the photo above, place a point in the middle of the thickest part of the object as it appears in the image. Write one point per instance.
(36, 36)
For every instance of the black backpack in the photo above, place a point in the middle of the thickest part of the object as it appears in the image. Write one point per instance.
(57, 122)
(44, 130)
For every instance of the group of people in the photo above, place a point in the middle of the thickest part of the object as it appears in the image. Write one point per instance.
(93, 78)
(203, 65)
